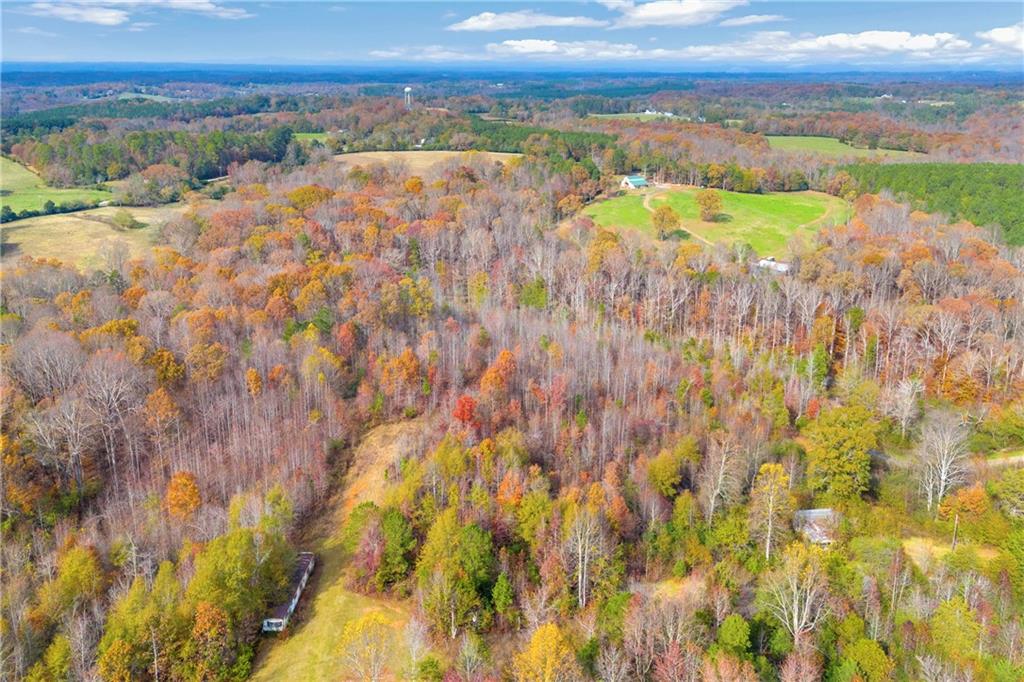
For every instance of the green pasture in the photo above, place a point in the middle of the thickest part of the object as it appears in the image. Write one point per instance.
(22, 189)
(767, 222)
(827, 146)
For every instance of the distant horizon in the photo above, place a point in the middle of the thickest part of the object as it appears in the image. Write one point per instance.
(544, 68)
(674, 35)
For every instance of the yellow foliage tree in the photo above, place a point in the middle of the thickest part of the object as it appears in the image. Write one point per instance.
(366, 646)
(665, 220)
(710, 204)
(547, 658)
(182, 497)
(253, 381)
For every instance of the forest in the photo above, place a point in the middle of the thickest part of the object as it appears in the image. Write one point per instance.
(984, 194)
(625, 457)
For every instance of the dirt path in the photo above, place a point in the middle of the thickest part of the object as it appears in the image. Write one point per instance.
(830, 208)
(647, 205)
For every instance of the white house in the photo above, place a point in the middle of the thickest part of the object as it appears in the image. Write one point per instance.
(634, 182)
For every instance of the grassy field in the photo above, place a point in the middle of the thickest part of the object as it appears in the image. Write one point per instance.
(926, 552)
(626, 211)
(827, 146)
(79, 238)
(416, 161)
(143, 95)
(765, 221)
(310, 650)
(309, 137)
(638, 117)
(22, 189)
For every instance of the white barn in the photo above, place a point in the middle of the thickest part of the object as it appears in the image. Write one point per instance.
(634, 182)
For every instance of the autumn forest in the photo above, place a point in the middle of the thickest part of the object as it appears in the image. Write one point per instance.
(534, 422)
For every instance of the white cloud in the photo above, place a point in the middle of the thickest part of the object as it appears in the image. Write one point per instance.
(38, 32)
(425, 53)
(884, 41)
(669, 12)
(139, 26)
(200, 6)
(765, 46)
(579, 49)
(80, 13)
(1007, 36)
(508, 21)
(117, 12)
(751, 19)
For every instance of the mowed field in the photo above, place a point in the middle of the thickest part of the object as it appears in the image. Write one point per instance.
(311, 647)
(22, 189)
(309, 137)
(419, 161)
(79, 238)
(827, 146)
(639, 117)
(768, 222)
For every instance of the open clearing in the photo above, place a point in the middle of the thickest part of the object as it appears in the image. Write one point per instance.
(309, 650)
(827, 146)
(309, 137)
(640, 117)
(767, 222)
(79, 238)
(419, 161)
(21, 189)
(926, 552)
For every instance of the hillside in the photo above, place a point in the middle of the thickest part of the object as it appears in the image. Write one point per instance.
(311, 648)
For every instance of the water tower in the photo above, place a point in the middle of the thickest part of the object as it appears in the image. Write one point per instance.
(408, 97)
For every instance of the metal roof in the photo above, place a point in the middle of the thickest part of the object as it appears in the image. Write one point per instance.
(302, 565)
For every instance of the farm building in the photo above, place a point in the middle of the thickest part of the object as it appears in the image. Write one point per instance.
(279, 617)
(633, 182)
(771, 264)
(816, 525)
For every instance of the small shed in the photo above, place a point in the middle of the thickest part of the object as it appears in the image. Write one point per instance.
(817, 526)
(282, 613)
(775, 266)
(634, 182)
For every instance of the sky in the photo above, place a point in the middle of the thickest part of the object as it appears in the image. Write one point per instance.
(638, 35)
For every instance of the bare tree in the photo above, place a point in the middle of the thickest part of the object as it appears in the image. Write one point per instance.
(719, 480)
(416, 642)
(941, 456)
(771, 506)
(114, 388)
(65, 432)
(901, 403)
(366, 646)
(612, 665)
(154, 312)
(583, 547)
(797, 592)
(46, 362)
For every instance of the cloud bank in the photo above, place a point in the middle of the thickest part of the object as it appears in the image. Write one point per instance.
(509, 21)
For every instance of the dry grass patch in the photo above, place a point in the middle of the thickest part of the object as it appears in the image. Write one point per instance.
(927, 552)
(419, 162)
(80, 238)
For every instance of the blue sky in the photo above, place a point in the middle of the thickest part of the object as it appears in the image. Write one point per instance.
(694, 35)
